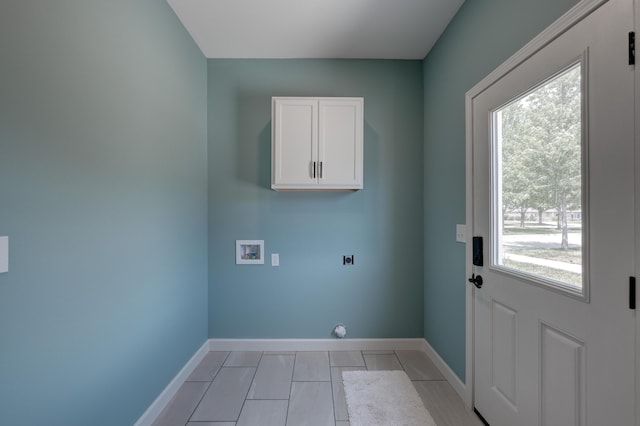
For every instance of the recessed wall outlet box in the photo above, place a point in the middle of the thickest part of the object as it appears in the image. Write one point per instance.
(461, 233)
(347, 260)
(275, 259)
(249, 252)
(4, 254)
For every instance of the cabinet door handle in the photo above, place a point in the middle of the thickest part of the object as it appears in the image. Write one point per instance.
(321, 169)
(314, 169)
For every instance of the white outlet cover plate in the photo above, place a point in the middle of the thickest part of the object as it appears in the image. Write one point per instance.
(461, 233)
(4, 254)
(275, 259)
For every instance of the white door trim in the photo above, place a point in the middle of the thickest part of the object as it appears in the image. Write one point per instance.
(561, 25)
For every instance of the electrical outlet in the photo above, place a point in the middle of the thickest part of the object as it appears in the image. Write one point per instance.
(461, 233)
(4, 254)
(347, 260)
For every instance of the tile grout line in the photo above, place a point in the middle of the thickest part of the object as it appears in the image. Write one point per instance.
(400, 361)
(208, 387)
(333, 400)
(333, 397)
(295, 360)
(246, 395)
(286, 416)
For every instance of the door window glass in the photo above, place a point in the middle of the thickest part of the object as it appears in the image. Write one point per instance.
(538, 184)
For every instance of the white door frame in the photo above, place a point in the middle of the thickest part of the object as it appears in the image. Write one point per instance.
(562, 24)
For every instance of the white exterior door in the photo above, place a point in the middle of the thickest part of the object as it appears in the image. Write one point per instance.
(553, 198)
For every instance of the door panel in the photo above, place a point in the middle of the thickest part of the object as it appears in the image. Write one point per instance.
(547, 353)
(562, 378)
(504, 325)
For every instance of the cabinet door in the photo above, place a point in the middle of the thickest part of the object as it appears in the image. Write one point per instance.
(295, 142)
(340, 147)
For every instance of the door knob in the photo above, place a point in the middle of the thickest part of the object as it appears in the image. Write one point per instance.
(476, 280)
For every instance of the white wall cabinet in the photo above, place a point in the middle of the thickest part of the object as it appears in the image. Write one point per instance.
(317, 144)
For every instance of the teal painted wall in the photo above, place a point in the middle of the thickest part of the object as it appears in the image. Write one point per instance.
(103, 192)
(381, 295)
(481, 36)
(103, 196)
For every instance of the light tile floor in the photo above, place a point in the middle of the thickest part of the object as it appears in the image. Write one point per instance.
(299, 389)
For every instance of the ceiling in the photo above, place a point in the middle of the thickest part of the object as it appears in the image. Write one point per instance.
(377, 29)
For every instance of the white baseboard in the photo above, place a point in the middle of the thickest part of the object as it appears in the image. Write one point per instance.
(163, 399)
(314, 344)
(448, 373)
(417, 344)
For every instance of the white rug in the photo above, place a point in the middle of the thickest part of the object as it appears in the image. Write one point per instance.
(383, 398)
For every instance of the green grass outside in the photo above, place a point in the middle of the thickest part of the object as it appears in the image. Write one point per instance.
(571, 278)
(537, 229)
(572, 255)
